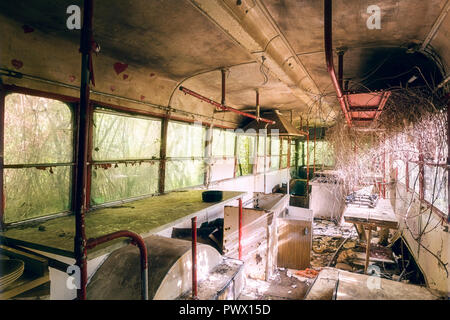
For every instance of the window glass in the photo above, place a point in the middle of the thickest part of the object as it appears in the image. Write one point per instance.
(118, 137)
(275, 153)
(185, 152)
(123, 181)
(38, 131)
(185, 140)
(413, 176)
(293, 153)
(184, 173)
(245, 154)
(223, 143)
(436, 190)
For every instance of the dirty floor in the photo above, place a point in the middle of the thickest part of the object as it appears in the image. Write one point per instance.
(285, 283)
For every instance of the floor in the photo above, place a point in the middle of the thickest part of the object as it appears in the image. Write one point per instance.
(286, 284)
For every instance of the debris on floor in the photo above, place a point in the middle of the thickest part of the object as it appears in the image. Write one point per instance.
(283, 285)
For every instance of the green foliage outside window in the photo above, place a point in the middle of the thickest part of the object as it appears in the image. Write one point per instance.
(245, 154)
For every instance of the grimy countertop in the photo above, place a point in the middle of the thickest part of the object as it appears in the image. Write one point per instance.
(144, 217)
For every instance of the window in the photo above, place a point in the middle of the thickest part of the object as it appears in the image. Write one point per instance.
(125, 156)
(435, 189)
(263, 142)
(38, 157)
(324, 154)
(222, 166)
(223, 143)
(185, 166)
(245, 154)
(401, 170)
(293, 153)
(284, 153)
(274, 153)
(413, 176)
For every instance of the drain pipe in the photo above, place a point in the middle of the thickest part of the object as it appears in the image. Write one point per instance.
(328, 33)
(194, 258)
(139, 242)
(81, 169)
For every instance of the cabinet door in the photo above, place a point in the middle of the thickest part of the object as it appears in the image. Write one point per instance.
(294, 243)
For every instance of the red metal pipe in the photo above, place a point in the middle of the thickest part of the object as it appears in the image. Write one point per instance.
(221, 106)
(240, 228)
(80, 196)
(137, 239)
(194, 258)
(328, 17)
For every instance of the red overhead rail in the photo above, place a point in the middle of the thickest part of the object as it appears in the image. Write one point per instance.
(223, 107)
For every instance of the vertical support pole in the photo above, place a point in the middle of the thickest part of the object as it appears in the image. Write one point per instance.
(223, 71)
(448, 157)
(163, 154)
(307, 159)
(255, 158)
(90, 120)
(265, 159)
(407, 172)
(289, 155)
(240, 229)
(384, 167)
(80, 194)
(421, 173)
(341, 68)
(194, 258)
(369, 238)
(314, 156)
(208, 154)
(2, 151)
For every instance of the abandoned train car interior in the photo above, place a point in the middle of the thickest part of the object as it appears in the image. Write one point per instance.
(224, 150)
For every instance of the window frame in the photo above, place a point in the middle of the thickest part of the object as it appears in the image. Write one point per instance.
(72, 105)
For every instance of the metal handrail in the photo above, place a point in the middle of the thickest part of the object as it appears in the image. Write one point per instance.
(137, 239)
